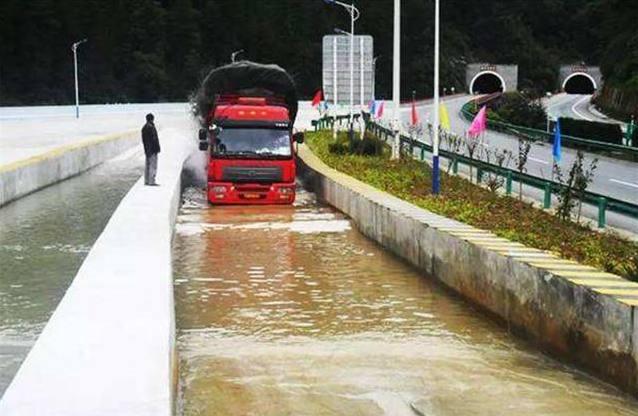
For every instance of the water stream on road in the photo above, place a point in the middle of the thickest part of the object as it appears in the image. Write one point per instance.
(290, 311)
(44, 237)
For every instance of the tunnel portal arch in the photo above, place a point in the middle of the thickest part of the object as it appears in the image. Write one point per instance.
(488, 78)
(506, 74)
(577, 83)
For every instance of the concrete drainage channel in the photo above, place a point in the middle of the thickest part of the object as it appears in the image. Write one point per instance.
(21, 178)
(576, 312)
(115, 326)
(109, 346)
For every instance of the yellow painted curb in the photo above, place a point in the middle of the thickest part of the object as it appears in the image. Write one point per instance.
(59, 151)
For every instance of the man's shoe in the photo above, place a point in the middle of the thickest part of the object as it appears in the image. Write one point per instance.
(153, 184)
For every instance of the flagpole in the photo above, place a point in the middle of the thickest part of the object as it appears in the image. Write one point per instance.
(436, 180)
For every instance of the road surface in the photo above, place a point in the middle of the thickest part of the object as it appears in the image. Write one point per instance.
(30, 131)
(576, 106)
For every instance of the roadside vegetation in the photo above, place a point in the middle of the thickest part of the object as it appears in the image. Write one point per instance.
(369, 160)
(525, 110)
(518, 109)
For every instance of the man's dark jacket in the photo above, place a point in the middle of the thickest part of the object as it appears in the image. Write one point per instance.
(150, 139)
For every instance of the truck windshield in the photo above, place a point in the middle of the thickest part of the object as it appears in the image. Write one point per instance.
(251, 142)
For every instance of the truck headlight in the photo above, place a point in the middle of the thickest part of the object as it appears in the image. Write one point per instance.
(218, 189)
(286, 191)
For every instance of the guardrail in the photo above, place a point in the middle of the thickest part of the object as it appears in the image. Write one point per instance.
(549, 188)
(540, 135)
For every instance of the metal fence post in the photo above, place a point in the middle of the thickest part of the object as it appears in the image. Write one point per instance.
(479, 174)
(508, 183)
(455, 166)
(422, 153)
(547, 202)
(602, 212)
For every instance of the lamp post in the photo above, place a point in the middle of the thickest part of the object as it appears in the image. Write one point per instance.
(74, 48)
(354, 16)
(436, 179)
(396, 79)
(233, 55)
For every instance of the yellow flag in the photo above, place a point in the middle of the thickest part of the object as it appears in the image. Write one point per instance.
(445, 118)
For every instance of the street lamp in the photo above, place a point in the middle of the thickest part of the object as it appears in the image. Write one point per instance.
(234, 55)
(436, 179)
(74, 48)
(396, 79)
(354, 16)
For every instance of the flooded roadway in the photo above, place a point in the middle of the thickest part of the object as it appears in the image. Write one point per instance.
(290, 311)
(44, 237)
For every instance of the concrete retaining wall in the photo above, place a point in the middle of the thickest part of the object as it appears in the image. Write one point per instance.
(109, 349)
(574, 311)
(23, 177)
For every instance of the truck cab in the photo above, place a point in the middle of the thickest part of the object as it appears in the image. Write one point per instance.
(251, 158)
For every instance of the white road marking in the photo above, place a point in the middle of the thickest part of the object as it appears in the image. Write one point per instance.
(579, 102)
(538, 161)
(633, 185)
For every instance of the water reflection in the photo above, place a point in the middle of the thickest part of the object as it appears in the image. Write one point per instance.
(287, 310)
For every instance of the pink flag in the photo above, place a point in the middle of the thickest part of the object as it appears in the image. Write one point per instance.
(380, 110)
(479, 125)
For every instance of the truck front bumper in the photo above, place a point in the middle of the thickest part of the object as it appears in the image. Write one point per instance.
(222, 193)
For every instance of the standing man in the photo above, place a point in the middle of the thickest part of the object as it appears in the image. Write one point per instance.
(151, 149)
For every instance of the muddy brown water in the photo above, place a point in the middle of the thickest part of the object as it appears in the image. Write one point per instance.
(291, 311)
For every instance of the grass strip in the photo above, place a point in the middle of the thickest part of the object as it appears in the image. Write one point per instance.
(507, 217)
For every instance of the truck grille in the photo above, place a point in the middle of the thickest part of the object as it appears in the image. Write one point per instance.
(245, 174)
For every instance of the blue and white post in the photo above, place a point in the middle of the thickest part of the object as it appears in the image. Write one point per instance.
(436, 173)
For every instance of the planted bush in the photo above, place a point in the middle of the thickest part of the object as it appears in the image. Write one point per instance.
(590, 130)
(521, 110)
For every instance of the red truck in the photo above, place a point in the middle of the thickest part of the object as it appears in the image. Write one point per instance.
(247, 112)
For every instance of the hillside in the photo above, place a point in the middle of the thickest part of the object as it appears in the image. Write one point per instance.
(146, 50)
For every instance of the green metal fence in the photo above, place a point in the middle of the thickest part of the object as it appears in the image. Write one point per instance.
(549, 188)
(627, 152)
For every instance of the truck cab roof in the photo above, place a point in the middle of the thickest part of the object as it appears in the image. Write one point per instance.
(248, 109)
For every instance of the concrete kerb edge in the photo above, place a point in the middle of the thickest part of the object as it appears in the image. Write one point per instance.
(24, 177)
(573, 321)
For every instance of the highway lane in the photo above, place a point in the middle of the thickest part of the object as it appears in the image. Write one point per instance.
(614, 178)
(575, 106)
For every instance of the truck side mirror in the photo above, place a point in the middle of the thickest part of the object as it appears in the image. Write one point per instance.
(203, 135)
(298, 137)
(203, 145)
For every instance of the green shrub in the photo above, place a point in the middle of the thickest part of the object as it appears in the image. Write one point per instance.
(600, 132)
(518, 109)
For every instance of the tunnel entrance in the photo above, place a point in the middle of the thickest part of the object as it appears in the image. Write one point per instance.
(579, 84)
(487, 83)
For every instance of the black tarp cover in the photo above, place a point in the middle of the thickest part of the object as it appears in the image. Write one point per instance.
(248, 79)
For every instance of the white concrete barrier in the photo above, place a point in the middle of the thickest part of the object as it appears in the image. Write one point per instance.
(29, 175)
(108, 349)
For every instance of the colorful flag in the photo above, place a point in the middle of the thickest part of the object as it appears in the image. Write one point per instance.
(557, 145)
(415, 115)
(318, 97)
(380, 109)
(479, 125)
(372, 107)
(444, 117)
